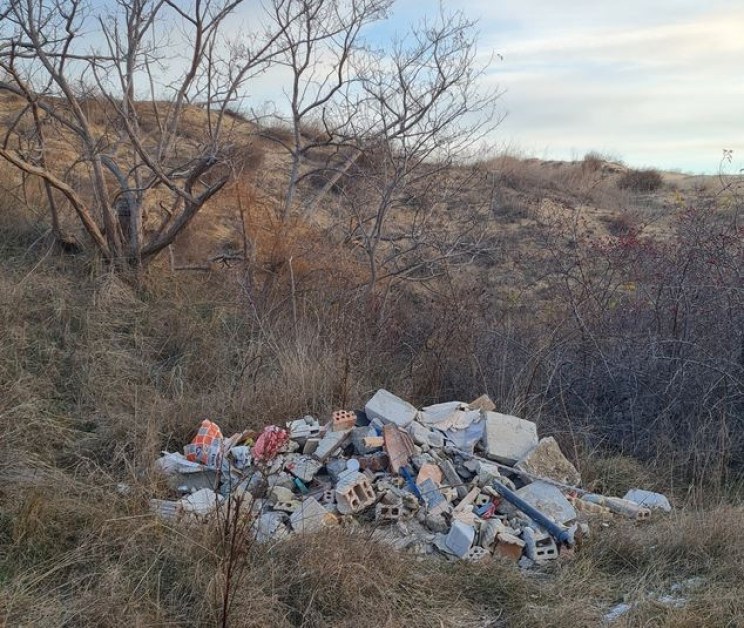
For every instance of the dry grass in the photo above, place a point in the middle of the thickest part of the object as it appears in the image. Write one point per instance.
(97, 376)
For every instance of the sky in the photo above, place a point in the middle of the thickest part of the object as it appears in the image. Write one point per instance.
(656, 83)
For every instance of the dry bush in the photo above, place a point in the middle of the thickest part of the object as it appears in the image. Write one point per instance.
(641, 180)
(593, 162)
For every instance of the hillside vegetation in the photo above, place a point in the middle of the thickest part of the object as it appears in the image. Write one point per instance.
(611, 316)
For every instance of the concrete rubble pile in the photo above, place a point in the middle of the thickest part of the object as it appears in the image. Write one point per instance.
(456, 479)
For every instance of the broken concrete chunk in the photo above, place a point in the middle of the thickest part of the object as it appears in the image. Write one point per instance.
(165, 509)
(330, 443)
(311, 445)
(648, 499)
(483, 403)
(311, 517)
(388, 408)
(467, 437)
(508, 546)
(306, 469)
(202, 502)
(488, 531)
(335, 467)
(270, 526)
(423, 435)
(452, 478)
(435, 502)
(508, 438)
(359, 438)
(429, 471)
(304, 428)
(443, 416)
(547, 460)
(548, 499)
(460, 538)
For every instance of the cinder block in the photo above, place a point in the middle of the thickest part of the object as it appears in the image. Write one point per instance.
(389, 512)
(477, 554)
(545, 549)
(355, 495)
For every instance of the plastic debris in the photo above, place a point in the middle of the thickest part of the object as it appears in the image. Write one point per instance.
(268, 444)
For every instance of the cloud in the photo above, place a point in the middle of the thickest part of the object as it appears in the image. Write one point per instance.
(663, 90)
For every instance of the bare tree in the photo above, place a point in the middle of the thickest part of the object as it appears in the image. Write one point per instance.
(120, 108)
(320, 39)
(420, 112)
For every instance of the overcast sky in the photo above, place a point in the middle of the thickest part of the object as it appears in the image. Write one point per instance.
(652, 82)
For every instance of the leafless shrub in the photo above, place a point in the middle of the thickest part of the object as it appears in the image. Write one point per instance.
(641, 180)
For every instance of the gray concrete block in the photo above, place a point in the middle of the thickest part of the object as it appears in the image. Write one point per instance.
(387, 408)
(508, 438)
(330, 443)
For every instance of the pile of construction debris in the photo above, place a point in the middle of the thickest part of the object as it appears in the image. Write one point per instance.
(455, 478)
